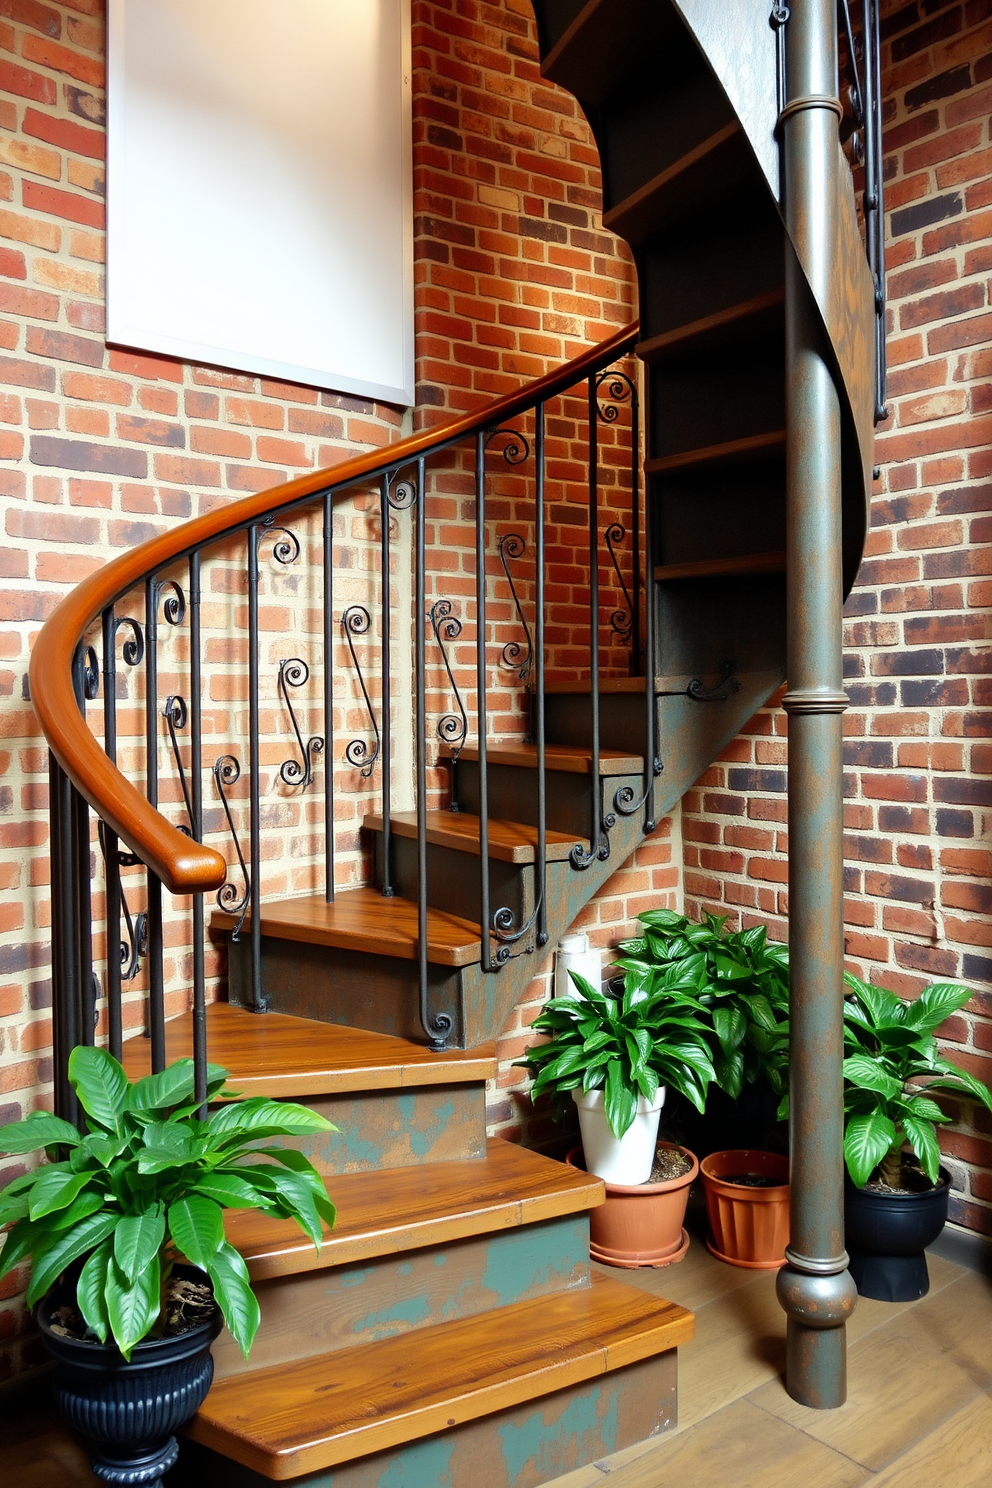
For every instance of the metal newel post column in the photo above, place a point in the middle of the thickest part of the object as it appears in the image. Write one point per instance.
(814, 1286)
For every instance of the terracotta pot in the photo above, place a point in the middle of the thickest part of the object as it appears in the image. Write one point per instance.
(749, 1226)
(640, 1225)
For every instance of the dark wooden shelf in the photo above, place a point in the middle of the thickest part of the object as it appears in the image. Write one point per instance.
(272, 1054)
(718, 454)
(509, 842)
(362, 920)
(706, 568)
(383, 1213)
(312, 1414)
(756, 317)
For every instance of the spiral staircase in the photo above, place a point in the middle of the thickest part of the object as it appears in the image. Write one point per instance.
(452, 1329)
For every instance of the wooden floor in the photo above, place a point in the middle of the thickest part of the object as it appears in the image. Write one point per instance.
(919, 1413)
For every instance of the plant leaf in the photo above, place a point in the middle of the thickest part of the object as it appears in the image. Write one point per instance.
(132, 1306)
(866, 1074)
(866, 1141)
(234, 1296)
(91, 1290)
(65, 1247)
(196, 1224)
(278, 1118)
(40, 1129)
(935, 1004)
(923, 1140)
(137, 1240)
(101, 1085)
(55, 1190)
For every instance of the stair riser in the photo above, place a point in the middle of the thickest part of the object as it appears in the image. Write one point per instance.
(513, 793)
(321, 1311)
(517, 1448)
(349, 987)
(397, 1128)
(453, 879)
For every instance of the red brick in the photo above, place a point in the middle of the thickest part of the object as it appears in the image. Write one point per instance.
(27, 84)
(62, 204)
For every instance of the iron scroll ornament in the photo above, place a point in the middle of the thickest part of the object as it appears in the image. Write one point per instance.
(622, 620)
(512, 546)
(176, 715)
(294, 672)
(226, 772)
(134, 945)
(356, 621)
(452, 729)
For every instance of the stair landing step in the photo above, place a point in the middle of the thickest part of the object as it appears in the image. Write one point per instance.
(509, 842)
(382, 1213)
(363, 920)
(318, 1412)
(276, 1055)
(570, 759)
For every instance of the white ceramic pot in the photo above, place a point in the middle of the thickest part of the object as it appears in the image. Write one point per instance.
(628, 1159)
(575, 954)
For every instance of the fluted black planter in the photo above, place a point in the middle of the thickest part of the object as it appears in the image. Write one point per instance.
(128, 1412)
(886, 1236)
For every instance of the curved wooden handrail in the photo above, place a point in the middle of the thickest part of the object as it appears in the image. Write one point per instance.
(185, 866)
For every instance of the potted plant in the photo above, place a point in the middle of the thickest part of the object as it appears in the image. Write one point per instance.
(896, 1200)
(107, 1223)
(741, 983)
(614, 1053)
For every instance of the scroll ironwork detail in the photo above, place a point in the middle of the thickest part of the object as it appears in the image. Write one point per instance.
(294, 672)
(356, 621)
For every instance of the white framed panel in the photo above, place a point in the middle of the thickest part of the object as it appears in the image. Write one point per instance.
(260, 193)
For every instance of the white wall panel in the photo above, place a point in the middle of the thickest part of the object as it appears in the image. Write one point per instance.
(260, 192)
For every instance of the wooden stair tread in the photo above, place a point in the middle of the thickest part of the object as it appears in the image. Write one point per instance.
(704, 568)
(315, 1413)
(712, 332)
(510, 842)
(363, 920)
(276, 1055)
(570, 759)
(716, 454)
(707, 170)
(381, 1213)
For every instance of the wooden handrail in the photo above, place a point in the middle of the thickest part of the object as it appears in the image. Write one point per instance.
(185, 866)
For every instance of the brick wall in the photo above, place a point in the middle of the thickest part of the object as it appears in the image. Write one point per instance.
(101, 448)
(919, 764)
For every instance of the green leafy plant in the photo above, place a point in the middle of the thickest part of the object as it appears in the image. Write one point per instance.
(891, 1065)
(738, 978)
(627, 1045)
(148, 1183)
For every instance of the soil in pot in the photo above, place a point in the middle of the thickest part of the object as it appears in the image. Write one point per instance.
(747, 1203)
(127, 1412)
(642, 1224)
(887, 1231)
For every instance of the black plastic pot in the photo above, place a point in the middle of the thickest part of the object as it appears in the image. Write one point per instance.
(886, 1235)
(128, 1412)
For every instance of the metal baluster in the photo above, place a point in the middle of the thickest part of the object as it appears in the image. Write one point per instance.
(155, 1021)
(597, 847)
(86, 677)
(386, 723)
(652, 761)
(65, 1020)
(480, 682)
(328, 619)
(111, 846)
(635, 529)
(254, 780)
(196, 794)
(540, 867)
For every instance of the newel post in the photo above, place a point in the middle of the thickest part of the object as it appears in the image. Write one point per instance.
(814, 1286)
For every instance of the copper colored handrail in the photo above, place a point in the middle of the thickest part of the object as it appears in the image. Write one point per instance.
(185, 866)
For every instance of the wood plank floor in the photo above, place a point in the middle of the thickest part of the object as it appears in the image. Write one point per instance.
(919, 1412)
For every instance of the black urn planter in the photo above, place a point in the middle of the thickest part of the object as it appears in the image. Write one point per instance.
(886, 1235)
(128, 1412)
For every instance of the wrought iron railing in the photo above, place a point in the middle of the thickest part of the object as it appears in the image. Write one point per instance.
(164, 651)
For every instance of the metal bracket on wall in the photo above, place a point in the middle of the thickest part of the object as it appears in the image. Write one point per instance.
(720, 691)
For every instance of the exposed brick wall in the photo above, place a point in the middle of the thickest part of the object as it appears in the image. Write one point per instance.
(101, 448)
(919, 767)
